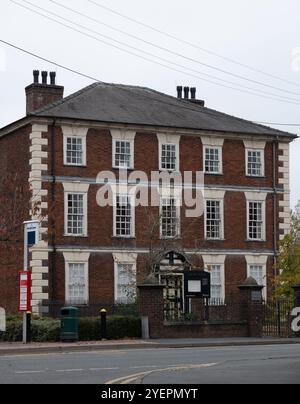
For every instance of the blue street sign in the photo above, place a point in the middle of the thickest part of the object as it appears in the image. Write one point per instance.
(32, 232)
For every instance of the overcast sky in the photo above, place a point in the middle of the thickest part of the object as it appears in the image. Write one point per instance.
(263, 34)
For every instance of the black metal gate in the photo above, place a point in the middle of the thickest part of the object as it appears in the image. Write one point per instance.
(173, 295)
(277, 318)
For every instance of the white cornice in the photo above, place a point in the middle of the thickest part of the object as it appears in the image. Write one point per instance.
(145, 128)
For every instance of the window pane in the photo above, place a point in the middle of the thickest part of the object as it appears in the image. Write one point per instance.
(75, 219)
(168, 157)
(123, 216)
(126, 284)
(213, 219)
(255, 220)
(256, 272)
(216, 283)
(77, 285)
(74, 152)
(122, 154)
(169, 218)
(254, 163)
(212, 160)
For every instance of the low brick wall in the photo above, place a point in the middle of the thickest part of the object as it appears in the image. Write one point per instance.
(209, 329)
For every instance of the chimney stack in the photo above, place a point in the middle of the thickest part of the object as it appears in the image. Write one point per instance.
(187, 92)
(39, 95)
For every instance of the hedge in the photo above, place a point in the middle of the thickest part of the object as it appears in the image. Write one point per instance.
(48, 330)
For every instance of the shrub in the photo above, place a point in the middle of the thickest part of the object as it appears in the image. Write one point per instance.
(118, 327)
(48, 330)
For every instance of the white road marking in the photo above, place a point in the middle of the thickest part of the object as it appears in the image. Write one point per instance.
(131, 378)
(29, 372)
(96, 369)
(69, 370)
(143, 367)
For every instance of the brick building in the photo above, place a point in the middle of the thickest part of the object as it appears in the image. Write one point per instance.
(89, 253)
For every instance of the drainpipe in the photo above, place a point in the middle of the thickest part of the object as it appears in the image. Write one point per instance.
(52, 222)
(275, 201)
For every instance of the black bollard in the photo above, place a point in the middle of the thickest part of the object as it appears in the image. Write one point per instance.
(28, 330)
(103, 325)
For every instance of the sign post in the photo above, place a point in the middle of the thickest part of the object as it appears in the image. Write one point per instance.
(31, 233)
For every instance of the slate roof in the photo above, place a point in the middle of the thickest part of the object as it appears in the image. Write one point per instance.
(115, 103)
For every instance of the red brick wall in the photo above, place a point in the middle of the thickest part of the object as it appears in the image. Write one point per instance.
(14, 164)
(14, 155)
(100, 224)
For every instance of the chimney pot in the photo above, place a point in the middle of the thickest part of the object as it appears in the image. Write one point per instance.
(179, 92)
(39, 95)
(44, 77)
(193, 93)
(186, 92)
(52, 78)
(36, 75)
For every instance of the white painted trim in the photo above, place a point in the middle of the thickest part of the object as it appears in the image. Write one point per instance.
(145, 251)
(131, 142)
(123, 134)
(169, 139)
(255, 144)
(220, 152)
(212, 141)
(212, 195)
(85, 213)
(256, 196)
(259, 261)
(76, 187)
(178, 216)
(74, 131)
(263, 230)
(262, 154)
(216, 260)
(76, 258)
(119, 259)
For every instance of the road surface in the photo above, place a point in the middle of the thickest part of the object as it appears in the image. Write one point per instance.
(275, 364)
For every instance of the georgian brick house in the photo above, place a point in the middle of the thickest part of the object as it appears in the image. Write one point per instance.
(86, 252)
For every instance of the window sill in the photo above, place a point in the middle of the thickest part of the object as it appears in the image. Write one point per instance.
(255, 240)
(218, 174)
(124, 168)
(124, 237)
(75, 165)
(215, 239)
(171, 238)
(76, 235)
(166, 170)
(256, 176)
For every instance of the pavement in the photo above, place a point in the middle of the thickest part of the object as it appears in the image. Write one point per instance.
(16, 348)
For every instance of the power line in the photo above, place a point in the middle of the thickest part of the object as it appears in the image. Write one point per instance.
(252, 92)
(278, 124)
(50, 61)
(155, 56)
(205, 64)
(161, 48)
(184, 104)
(192, 44)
